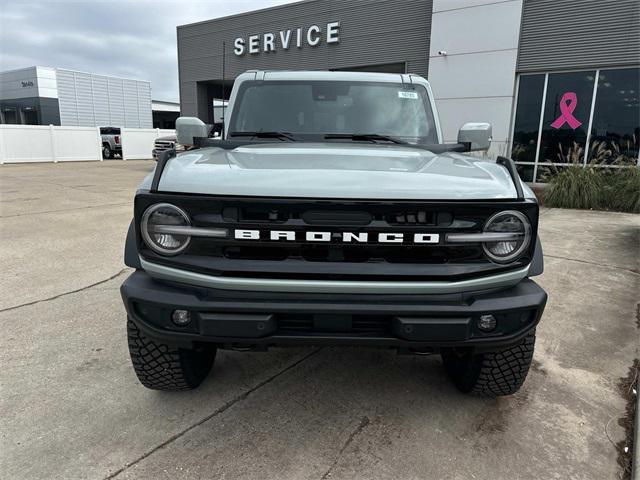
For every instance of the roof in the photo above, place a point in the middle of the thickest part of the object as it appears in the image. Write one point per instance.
(165, 106)
(332, 75)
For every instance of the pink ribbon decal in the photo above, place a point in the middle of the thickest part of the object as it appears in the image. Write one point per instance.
(568, 104)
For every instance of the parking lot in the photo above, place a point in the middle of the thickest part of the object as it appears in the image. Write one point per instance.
(71, 407)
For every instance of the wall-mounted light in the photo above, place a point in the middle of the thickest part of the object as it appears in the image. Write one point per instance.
(442, 52)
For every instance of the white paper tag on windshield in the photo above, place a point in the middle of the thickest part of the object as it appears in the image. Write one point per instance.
(405, 94)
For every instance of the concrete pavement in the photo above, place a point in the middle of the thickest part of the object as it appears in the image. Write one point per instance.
(71, 407)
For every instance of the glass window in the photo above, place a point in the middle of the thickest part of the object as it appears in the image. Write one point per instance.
(616, 117)
(10, 115)
(527, 121)
(30, 115)
(566, 117)
(312, 109)
(546, 172)
(525, 172)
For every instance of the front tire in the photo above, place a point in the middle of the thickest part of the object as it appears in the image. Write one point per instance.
(491, 374)
(160, 366)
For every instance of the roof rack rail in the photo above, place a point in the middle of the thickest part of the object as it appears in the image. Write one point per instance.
(510, 165)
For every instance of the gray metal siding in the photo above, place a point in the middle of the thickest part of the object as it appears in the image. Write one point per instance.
(116, 101)
(84, 94)
(67, 98)
(98, 101)
(130, 90)
(99, 86)
(145, 114)
(372, 32)
(568, 34)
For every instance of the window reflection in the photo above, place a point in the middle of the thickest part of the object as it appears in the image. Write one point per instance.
(10, 116)
(615, 127)
(525, 172)
(527, 121)
(566, 117)
(30, 115)
(616, 118)
(546, 172)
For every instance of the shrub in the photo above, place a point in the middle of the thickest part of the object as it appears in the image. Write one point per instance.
(595, 188)
(622, 190)
(575, 187)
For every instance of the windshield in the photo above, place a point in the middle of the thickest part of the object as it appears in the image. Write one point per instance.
(311, 110)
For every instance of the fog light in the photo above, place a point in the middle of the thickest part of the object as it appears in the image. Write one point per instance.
(486, 323)
(181, 317)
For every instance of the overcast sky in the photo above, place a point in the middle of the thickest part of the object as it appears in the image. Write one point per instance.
(135, 39)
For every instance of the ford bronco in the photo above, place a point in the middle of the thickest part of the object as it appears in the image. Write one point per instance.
(332, 213)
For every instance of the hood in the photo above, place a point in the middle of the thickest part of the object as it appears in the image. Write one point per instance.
(344, 170)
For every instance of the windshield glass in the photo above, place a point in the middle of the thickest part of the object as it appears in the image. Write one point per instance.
(310, 110)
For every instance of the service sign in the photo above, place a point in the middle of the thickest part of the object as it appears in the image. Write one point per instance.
(285, 39)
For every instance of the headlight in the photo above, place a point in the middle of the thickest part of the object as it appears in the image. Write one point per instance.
(510, 222)
(160, 227)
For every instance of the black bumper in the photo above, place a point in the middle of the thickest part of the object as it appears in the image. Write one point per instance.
(260, 319)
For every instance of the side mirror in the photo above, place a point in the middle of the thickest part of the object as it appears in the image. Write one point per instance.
(190, 128)
(477, 135)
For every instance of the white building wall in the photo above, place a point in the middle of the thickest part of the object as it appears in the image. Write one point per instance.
(475, 80)
(97, 100)
(28, 83)
(47, 82)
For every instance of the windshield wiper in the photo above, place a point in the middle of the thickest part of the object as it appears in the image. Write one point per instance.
(372, 137)
(280, 135)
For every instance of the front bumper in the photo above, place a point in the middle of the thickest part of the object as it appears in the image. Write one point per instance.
(260, 319)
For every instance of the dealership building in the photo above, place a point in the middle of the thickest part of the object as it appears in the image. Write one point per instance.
(56, 96)
(559, 80)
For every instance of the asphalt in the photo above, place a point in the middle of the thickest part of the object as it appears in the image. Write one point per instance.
(71, 407)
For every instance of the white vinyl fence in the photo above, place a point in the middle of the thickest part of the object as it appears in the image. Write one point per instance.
(35, 143)
(137, 143)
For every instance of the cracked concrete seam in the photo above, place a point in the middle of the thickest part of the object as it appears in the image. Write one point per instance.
(615, 267)
(215, 413)
(364, 423)
(103, 205)
(55, 297)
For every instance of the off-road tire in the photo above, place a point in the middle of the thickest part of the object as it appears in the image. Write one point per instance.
(491, 374)
(164, 367)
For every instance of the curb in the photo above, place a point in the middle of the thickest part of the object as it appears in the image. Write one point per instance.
(635, 460)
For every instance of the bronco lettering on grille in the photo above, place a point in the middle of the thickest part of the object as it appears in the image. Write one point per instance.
(344, 237)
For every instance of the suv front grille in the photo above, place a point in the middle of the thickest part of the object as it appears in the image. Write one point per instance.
(352, 253)
(336, 259)
(358, 325)
(162, 145)
(408, 217)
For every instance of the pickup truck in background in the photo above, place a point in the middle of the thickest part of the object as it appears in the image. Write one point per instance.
(168, 142)
(163, 144)
(111, 142)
